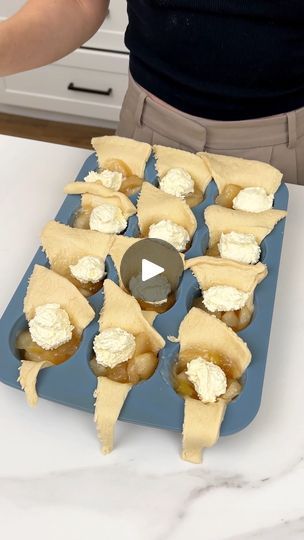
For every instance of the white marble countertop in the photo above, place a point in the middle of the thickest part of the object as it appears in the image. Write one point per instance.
(54, 482)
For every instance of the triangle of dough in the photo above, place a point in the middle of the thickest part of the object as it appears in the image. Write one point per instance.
(223, 220)
(202, 421)
(65, 245)
(118, 248)
(242, 172)
(199, 330)
(117, 304)
(110, 397)
(170, 158)
(134, 153)
(212, 271)
(95, 194)
(28, 373)
(155, 205)
(47, 287)
(201, 427)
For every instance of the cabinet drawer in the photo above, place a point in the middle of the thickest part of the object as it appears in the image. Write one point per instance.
(86, 83)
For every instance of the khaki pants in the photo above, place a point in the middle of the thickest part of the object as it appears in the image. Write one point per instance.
(278, 140)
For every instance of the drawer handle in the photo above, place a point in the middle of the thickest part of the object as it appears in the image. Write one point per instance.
(72, 86)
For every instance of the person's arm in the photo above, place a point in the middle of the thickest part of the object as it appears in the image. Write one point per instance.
(43, 31)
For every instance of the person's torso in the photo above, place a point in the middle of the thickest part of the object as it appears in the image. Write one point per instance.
(221, 59)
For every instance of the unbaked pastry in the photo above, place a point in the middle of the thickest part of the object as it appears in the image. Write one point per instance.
(154, 206)
(46, 287)
(212, 272)
(241, 172)
(118, 248)
(110, 394)
(224, 220)
(65, 245)
(169, 158)
(94, 195)
(202, 421)
(134, 154)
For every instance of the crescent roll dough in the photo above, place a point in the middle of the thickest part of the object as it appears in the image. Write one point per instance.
(118, 248)
(224, 220)
(110, 395)
(95, 194)
(155, 205)
(202, 421)
(169, 158)
(241, 172)
(47, 287)
(135, 154)
(65, 245)
(212, 271)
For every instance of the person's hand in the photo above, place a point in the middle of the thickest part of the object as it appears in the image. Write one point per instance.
(43, 31)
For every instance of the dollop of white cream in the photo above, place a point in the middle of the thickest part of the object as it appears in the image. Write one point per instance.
(113, 346)
(253, 199)
(88, 269)
(174, 234)
(177, 182)
(239, 247)
(50, 327)
(208, 379)
(107, 218)
(109, 179)
(224, 298)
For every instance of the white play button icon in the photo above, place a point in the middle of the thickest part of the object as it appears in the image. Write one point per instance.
(151, 282)
(150, 269)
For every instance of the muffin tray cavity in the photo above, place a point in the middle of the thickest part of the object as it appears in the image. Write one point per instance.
(153, 402)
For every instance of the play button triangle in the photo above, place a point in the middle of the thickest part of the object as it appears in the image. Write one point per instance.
(150, 269)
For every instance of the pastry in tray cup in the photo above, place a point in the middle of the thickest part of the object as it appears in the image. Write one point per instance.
(126, 352)
(165, 217)
(227, 288)
(79, 255)
(57, 313)
(121, 163)
(101, 209)
(243, 184)
(181, 173)
(118, 249)
(237, 235)
(211, 361)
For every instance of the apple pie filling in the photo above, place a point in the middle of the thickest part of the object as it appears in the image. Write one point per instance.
(237, 319)
(130, 183)
(229, 192)
(222, 378)
(138, 367)
(29, 350)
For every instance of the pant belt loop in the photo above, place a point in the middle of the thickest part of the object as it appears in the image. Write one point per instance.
(140, 107)
(292, 129)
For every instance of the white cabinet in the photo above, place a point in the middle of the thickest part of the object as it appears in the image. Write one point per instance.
(85, 83)
(110, 36)
(89, 83)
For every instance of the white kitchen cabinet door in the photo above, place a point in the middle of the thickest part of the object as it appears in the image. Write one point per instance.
(111, 34)
(85, 83)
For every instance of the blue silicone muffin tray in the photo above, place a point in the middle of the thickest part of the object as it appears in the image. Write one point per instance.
(153, 402)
